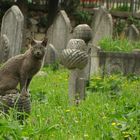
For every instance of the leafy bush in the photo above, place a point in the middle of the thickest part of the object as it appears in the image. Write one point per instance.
(82, 17)
(121, 24)
(43, 21)
(132, 20)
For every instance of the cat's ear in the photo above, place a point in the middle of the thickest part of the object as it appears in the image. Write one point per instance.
(45, 41)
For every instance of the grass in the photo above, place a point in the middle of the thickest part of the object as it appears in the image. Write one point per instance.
(118, 45)
(110, 112)
(122, 8)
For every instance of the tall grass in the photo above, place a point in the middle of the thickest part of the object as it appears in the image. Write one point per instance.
(119, 45)
(111, 110)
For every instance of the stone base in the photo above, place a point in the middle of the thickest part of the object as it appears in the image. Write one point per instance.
(20, 102)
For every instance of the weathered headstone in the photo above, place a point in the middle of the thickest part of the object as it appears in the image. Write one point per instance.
(59, 33)
(77, 86)
(84, 32)
(102, 28)
(77, 44)
(132, 33)
(94, 69)
(4, 48)
(102, 25)
(76, 58)
(12, 27)
(51, 55)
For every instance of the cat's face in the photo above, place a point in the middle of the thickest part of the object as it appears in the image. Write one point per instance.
(38, 48)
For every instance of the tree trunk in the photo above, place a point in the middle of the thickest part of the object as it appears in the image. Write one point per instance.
(23, 6)
(52, 11)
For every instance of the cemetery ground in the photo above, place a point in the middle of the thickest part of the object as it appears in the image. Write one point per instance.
(111, 110)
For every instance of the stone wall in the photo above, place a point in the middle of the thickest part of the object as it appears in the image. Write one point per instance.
(118, 62)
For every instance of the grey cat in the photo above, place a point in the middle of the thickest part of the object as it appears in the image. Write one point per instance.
(21, 68)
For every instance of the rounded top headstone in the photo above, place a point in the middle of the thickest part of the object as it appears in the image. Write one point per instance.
(18, 14)
(83, 31)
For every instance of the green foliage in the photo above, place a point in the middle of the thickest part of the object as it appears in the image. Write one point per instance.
(112, 84)
(119, 27)
(119, 45)
(70, 6)
(123, 91)
(43, 21)
(121, 24)
(89, 5)
(122, 8)
(54, 66)
(111, 110)
(82, 17)
(132, 20)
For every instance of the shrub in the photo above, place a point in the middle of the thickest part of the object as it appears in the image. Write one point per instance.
(82, 17)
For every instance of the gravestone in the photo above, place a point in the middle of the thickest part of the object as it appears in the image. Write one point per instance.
(12, 27)
(132, 33)
(84, 32)
(51, 55)
(94, 69)
(102, 27)
(59, 33)
(77, 59)
(4, 48)
(77, 44)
